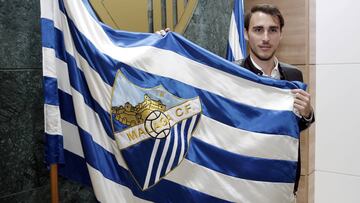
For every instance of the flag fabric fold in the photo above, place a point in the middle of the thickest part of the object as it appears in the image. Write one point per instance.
(227, 135)
(236, 48)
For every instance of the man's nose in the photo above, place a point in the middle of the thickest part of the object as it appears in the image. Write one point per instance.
(266, 36)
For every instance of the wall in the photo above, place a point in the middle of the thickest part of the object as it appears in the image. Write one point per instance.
(337, 61)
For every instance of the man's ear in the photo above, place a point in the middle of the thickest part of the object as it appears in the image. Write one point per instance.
(246, 35)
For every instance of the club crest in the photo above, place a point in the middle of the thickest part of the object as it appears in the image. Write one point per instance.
(152, 128)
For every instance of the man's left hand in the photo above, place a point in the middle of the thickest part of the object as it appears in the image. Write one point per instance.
(302, 102)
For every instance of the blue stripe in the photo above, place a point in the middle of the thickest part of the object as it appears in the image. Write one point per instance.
(250, 168)
(50, 91)
(239, 19)
(106, 163)
(157, 161)
(54, 149)
(47, 33)
(229, 53)
(75, 168)
(66, 105)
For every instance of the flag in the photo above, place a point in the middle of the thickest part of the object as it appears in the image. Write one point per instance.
(140, 117)
(236, 48)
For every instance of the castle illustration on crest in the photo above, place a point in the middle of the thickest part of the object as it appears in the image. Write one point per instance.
(134, 115)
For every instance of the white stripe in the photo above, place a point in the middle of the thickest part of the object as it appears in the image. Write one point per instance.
(229, 188)
(46, 7)
(191, 127)
(72, 140)
(151, 163)
(234, 39)
(174, 149)
(154, 60)
(109, 191)
(162, 158)
(60, 68)
(49, 65)
(52, 119)
(246, 142)
(182, 151)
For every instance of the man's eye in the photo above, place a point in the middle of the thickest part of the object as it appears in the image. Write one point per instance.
(257, 29)
(274, 30)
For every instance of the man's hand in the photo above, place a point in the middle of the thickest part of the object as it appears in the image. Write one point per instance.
(302, 103)
(163, 32)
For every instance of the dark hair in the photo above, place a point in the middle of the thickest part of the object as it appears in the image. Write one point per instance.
(267, 9)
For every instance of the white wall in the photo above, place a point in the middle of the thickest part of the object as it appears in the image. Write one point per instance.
(337, 144)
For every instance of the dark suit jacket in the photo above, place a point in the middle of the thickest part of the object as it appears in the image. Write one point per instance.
(290, 73)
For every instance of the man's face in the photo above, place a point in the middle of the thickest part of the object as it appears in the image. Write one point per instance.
(263, 35)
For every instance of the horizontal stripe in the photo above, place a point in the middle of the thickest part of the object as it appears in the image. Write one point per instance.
(240, 166)
(54, 149)
(229, 188)
(74, 168)
(52, 119)
(48, 61)
(246, 142)
(109, 191)
(46, 7)
(283, 99)
(50, 91)
(72, 138)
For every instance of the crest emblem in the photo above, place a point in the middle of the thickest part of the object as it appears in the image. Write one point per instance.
(152, 128)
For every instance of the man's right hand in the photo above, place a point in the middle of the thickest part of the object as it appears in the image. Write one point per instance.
(163, 32)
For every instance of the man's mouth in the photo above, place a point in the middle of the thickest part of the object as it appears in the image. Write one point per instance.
(265, 47)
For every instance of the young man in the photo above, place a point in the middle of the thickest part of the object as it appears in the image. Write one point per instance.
(263, 31)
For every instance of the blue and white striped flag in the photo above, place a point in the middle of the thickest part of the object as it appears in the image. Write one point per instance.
(236, 48)
(140, 117)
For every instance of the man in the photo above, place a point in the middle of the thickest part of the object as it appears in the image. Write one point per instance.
(263, 31)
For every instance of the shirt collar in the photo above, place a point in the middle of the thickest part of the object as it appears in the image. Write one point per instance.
(275, 73)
